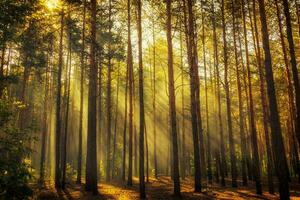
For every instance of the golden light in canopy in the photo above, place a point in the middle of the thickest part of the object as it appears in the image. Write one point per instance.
(52, 4)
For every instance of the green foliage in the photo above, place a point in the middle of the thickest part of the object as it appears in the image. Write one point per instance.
(74, 33)
(14, 149)
(32, 46)
(13, 13)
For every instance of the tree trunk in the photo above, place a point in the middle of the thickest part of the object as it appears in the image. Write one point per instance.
(45, 126)
(125, 128)
(263, 100)
(189, 24)
(292, 109)
(131, 88)
(208, 155)
(147, 155)
(2, 69)
(108, 102)
(251, 104)
(172, 102)
(183, 145)
(289, 33)
(58, 107)
(277, 140)
(218, 92)
(67, 104)
(116, 124)
(91, 158)
(79, 161)
(141, 100)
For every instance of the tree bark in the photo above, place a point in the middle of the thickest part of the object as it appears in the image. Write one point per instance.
(252, 114)
(79, 157)
(218, 93)
(289, 33)
(189, 24)
(116, 125)
(58, 107)
(131, 88)
(277, 140)
(108, 100)
(291, 96)
(91, 159)
(141, 101)
(172, 102)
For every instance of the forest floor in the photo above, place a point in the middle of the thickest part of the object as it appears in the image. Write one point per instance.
(161, 188)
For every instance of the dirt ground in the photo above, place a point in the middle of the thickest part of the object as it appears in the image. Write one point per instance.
(158, 189)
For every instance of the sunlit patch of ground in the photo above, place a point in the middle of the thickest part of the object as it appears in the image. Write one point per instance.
(161, 188)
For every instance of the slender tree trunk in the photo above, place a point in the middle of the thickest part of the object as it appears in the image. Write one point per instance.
(218, 88)
(131, 88)
(116, 125)
(141, 100)
(241, 112)
(189, 24)
(172, 102)
(183, 148)
(289, 33)
(64, 141)
(154, 103)
(263, 100)
(208, 155)
(198, 103)
(108, 101)
(147, 155)
(291, 96)
(251, 104)
(91, 159)
(58, 107)
(79, 157)
(45, 126)
(277, 140)
(125, 127)
(2, 68)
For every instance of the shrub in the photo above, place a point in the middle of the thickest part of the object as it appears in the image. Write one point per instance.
(14, 149)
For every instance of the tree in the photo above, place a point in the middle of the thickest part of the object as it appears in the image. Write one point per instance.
(252, 119)
(91, 159)
(131, 88)
(58, 107)
(108, 99)
(289, 33)
(82, 66)
(189, 29)
(172, 103)
(277, 140)
(218, 88)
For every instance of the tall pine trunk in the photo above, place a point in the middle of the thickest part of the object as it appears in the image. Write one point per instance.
(172, 103)
(58, 107)
(141, 101)
(108, 100)
(252, 114)
(131, 88)
(289, 33)
(116, 126)
(82, 66)
(277, 140)
(125, 128)
(218, 93)
(189, 24)
(91, 158)
(291, 96)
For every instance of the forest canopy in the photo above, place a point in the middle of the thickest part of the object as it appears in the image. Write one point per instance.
(136, 99)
